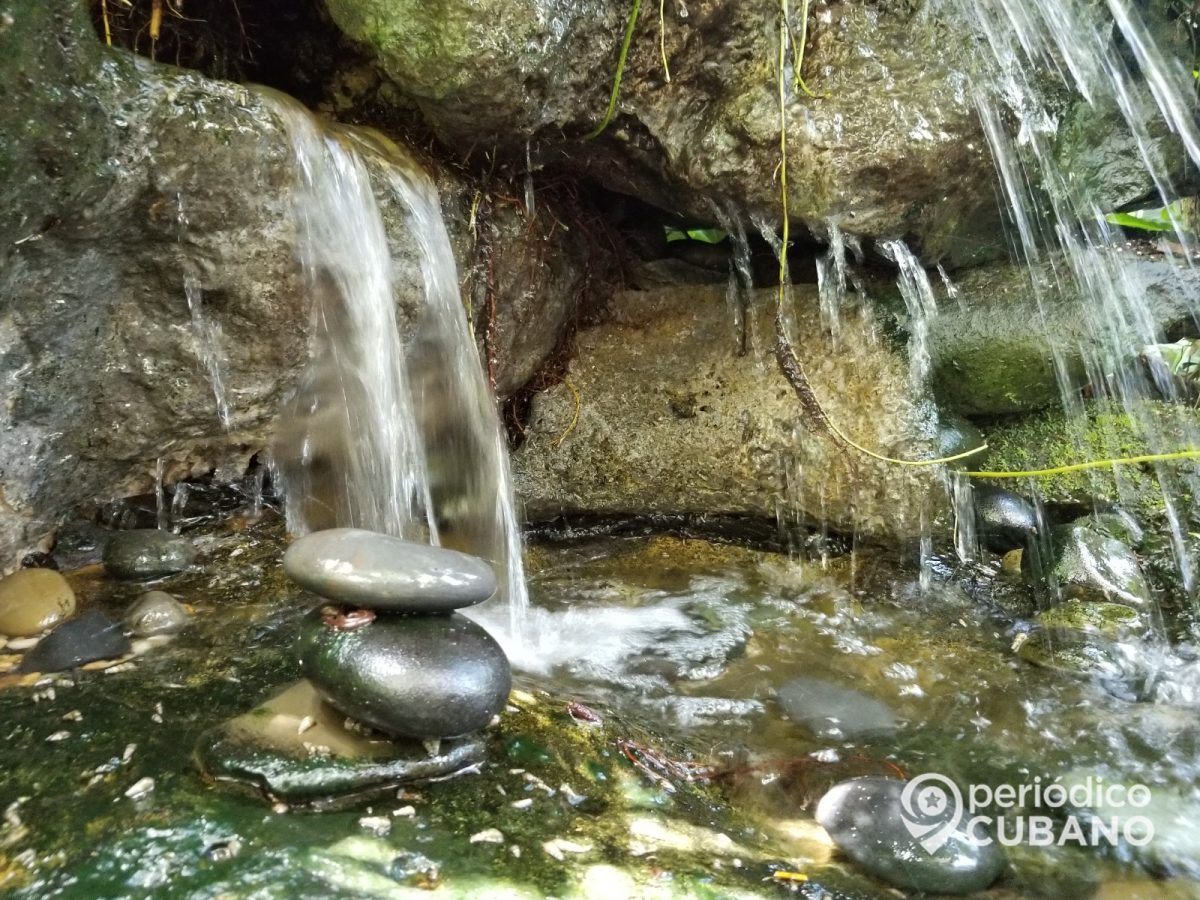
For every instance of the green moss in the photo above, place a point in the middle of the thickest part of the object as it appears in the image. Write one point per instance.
(1050, 439)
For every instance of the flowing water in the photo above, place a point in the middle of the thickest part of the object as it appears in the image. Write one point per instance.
(1062, 233)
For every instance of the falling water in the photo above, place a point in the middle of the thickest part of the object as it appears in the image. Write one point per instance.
(209, 341)
(741, 277)
(831, 281)
(395, 436)
(922, 307)
(1062, 233)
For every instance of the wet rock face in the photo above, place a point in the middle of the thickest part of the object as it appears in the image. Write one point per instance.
(378, 571)
(145, 553)
(865, 819)
(426, 676)
(670, 421)
(891, 147)
(124, 182)
(33, 600)
(1088, 565)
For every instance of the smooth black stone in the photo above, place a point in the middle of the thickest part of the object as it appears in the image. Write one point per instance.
(864, 817)
(831, 711)
(409, 676)
(378, 571)
(146, 553)
(86, 639)
(1004, 520)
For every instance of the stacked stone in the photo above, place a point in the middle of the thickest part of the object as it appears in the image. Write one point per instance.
(387, 648)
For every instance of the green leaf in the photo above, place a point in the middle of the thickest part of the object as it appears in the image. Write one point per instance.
(1125, 220)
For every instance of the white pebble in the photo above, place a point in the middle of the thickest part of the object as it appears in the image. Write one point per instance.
(20, 645)
(561, 846)
(140, 788)
(58, 736)
(488, 836)
(377, 825)
(306, 723)
(73, 716)
(405, 812)
(522, 804)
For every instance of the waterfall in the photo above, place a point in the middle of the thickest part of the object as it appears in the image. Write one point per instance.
(1062, 232)
(397, 436)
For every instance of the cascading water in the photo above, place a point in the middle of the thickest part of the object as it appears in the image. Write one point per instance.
(1062, 233)
(395, 437)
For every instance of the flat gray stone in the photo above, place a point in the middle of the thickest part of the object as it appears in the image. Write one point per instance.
(155, 612)
(296, 748)
(428, 676)
(378, 571)
(831, 711)
(145, 553)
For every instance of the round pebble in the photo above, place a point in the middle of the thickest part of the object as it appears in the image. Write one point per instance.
(865, 819)
(378, 571)
(33, 600)
(154, 613)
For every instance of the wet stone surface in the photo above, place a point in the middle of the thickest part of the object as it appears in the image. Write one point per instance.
(428, 676)
(154, 613)
(377, 571)
(865, 818)
(146, 553)
(33, 600)
(1005, 520)
(90, 637)
(296, 748)
(831, 711)
(1089, 565)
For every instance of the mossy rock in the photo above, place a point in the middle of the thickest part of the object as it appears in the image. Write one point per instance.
(1106, 431)
(1111, 620)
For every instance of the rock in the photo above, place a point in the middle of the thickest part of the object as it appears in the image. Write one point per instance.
(865, 819)
(378, 571)
(78, 544)
(1118, 666)
(1087, 565)
(296, 748)
(1110, 620)
(147, 553)
(830, 711)
(907, 158)
(90, 637)
(1117, 524)
(624, 448)
(32, 600)
(1004, 520)
(992, 352)
(124, 180)
(957, 435)
(155, 613)
(408, 676)
(1107, 430)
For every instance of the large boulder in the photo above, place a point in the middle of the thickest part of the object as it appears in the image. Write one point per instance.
(659, 415)
(147, 242)
(888, 146)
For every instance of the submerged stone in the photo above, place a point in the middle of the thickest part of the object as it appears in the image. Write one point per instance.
(1117, 665)
(91, 637)
(296, 748)
(1004, 519)
(156, 612)
(1112, 620)
(378, 571)
(145, 553)
(831, 711)
(409, 676)
(1088, 565)
(866, 819)
(32, 600)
